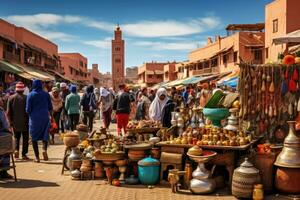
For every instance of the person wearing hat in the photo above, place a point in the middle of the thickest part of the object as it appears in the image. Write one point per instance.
(16, 111)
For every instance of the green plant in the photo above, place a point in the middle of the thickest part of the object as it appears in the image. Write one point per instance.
(297, 54)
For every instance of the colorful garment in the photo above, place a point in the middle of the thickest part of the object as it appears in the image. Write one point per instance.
(38, 107)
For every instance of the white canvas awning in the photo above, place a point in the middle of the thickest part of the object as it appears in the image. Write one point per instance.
(293, 37)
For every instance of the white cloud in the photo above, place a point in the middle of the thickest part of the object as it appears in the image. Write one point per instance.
(148, 29)
(167, 45)
(102, 44)
(170, 27)
(40, 24)
(42, 20)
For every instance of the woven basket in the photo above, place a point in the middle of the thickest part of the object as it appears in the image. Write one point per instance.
(7, 144)
(110, 156)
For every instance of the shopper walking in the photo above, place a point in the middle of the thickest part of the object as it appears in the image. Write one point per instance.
(143, 104)
(88, 103)
(16, 111)
(73, 107)
(39, 107)
(106, 100)
(122, 107)
(57, 104)
(64, 92)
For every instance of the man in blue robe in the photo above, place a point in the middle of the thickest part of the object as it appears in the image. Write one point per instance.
(39, 107)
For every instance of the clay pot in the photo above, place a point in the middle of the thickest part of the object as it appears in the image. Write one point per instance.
(120, 163)
(287, 180)
(99, 171)
(71, 139)
(136, 155)
(86, 165)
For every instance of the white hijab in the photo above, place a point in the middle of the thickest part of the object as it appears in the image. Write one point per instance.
(103, 92)
(157, 105)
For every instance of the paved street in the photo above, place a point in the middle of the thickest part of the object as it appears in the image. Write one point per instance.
(43, 181)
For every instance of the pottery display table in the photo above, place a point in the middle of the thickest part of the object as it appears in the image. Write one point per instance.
(226, 154)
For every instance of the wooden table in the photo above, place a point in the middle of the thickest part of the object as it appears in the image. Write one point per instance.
(226, 154)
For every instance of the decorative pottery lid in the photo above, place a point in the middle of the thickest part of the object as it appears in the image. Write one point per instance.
(195, 151)
(247, 168)
(149, 162)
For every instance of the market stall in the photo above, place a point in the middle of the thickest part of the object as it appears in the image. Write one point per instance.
(237, 140)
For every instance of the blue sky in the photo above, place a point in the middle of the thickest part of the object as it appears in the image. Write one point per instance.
(158, 30)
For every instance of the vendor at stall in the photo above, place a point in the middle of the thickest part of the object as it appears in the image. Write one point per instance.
(161, 108)
(204, 94)
(4, 159)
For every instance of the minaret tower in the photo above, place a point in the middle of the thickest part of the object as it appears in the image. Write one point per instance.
(118, 58)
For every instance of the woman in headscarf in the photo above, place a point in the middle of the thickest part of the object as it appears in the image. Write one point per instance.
(57, 104)
(73, 107)
(106, 100)
(39, 107)
(161, 108)
(88, 103)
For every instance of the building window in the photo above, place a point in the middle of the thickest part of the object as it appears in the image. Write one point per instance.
(275, 25)
(150, 76)
(225, 59)
(235, 57)
(214, 62)
(267, 52)
(117, 49)
(118, 60)
(257, 54)
(8, 48)
(85, 65)
(206, 64)
(81, 64)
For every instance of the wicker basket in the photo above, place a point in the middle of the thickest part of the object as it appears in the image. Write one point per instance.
(110, 156)
(7, 144)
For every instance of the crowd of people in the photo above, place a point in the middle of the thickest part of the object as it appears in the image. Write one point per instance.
(38, 113)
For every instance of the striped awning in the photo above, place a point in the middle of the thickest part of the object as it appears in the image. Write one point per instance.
(8, 67)
(38, 74)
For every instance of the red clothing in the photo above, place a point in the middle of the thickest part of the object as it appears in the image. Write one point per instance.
(122, 121)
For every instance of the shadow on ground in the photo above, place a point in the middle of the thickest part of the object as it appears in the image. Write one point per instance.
(27, 183)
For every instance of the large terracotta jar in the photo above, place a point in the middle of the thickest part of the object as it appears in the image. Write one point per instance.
(71, 139)
(288, 180)
(288, 162)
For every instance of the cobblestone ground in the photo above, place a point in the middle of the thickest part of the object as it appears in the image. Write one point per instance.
(43, 181)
